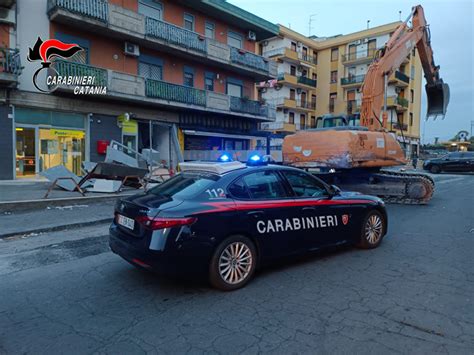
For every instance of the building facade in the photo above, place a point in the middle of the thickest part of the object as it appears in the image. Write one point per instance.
(338, 67)
(179, 77)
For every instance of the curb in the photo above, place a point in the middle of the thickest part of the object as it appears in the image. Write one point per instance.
(57, 228)
(26, 205)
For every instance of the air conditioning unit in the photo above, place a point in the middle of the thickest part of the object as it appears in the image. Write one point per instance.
(299, 44)
(132, 49)
(252, 36)
(366, 40)
(7, 15)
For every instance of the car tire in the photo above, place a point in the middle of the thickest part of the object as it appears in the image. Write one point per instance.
(233, 263)
(435, 169)
(372, 231)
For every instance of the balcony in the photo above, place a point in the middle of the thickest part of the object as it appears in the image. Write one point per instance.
(132, 88)
(353, 80)
(306, 105)
(399, 79)
(10, 66)
(98, 16)
(358, 57)
(283, 52)
(281, 127)
(400, 126)
(94, 9)
(399, 103)
(173, 92)
(175, 35)
(307, 81)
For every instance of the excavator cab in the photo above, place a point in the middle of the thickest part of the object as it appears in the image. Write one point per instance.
(438, 99)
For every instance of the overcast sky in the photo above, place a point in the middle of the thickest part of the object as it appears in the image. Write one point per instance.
(451, 24)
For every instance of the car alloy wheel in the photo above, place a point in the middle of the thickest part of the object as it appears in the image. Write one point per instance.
(235, 263)
(373, 229)
(435, 169)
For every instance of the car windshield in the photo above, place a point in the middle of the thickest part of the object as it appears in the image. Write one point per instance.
(185, 185)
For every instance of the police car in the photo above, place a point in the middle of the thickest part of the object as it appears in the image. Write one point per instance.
(227, 218)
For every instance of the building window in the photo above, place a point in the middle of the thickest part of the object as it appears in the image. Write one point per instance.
(189, 22)
(153, 9)
(209, 81)
(292, 94)
(302, 121)
(81, 57)
(210, 30)
(334, 77)
(234, 39)
(293, 70)
(293, 46)
(234, 88)
(315, 76)
(291, 118)
(305, 53)
(315, 58)
(188, 77)
(313, 102)
(412, 96)
(411, 119)
(334, 54)
(332, 101)
(150, 70)
(413, 52)
(313, 121)
(412, 72)
(304, 73)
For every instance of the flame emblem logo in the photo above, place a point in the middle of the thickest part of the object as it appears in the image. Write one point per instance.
(46, 51)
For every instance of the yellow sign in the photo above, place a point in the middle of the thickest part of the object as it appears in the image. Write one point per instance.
(67, 133)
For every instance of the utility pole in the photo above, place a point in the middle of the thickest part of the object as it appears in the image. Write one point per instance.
(310, 23)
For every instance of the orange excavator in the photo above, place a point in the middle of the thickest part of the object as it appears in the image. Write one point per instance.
(352, 152)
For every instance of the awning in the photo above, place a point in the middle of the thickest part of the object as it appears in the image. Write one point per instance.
(223, 135)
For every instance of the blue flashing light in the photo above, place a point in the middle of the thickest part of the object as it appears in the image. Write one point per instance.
(224, 158)
(255, 158)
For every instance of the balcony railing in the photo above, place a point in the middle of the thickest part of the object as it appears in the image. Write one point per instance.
(248, 59)
(402, 77)
(238, 104)
(274, 52)
(307, 81)
(96, 9)
(353, 79)
(175, 35)
(307, 58)
(359, 55)
(173, 92)
(10, 61)
(402, 101)
(402, 126)
(310, 105)
(66, 68)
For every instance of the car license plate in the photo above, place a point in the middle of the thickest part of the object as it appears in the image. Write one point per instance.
(126, 222)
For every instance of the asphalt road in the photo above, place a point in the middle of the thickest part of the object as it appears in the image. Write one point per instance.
(65, 292)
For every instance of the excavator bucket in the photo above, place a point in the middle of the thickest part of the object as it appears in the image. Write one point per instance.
(438, 99)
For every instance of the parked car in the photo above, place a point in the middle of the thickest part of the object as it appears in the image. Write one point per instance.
(452, 162)
(225, 219)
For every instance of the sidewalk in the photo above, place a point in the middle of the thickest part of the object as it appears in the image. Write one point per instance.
(23, 195)
(55, 218)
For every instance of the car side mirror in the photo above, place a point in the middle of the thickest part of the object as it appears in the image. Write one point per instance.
(334, 190)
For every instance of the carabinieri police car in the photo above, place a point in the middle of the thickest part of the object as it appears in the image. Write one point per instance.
(227, 218)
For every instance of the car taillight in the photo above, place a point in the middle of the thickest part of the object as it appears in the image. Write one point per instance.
(162, 222)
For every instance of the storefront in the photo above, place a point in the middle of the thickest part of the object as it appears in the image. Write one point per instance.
(44, 139)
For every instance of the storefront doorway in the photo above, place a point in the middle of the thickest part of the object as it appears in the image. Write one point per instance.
(25, 152)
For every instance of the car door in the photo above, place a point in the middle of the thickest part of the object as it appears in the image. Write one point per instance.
(322, 217)
(264, 203)
(452, 162)
(468, 161)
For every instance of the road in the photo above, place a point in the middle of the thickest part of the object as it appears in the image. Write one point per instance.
(65, 292)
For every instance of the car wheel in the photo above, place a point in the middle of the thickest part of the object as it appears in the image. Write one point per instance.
(435, 169)
(372, 231)
(233, 263)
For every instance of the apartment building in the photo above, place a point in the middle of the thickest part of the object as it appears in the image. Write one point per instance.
(339, 64)
(179, 77)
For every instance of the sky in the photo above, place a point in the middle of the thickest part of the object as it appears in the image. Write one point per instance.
(452, 40)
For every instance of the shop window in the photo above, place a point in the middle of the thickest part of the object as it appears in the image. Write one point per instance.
(189, 22)
(234, 39)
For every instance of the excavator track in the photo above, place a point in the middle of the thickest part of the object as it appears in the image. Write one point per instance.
(419, 188)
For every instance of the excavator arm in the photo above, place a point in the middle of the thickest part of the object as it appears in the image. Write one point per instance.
(389, 58)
